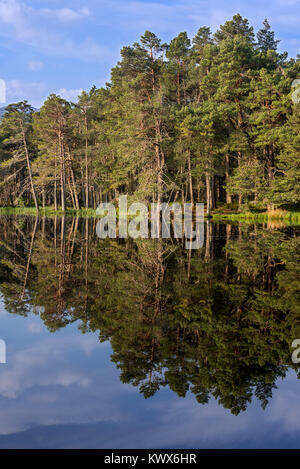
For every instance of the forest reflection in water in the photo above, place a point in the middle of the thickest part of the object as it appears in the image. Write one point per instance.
(218, 321)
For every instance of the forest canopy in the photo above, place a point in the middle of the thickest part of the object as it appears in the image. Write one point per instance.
(206, 119)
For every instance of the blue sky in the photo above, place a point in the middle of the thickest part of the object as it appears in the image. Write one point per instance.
(69, 45)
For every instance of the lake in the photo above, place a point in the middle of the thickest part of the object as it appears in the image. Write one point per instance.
(145, 344)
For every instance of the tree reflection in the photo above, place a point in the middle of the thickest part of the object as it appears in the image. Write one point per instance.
(217, 322)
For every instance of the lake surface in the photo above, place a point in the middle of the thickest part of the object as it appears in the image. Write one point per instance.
(145, 344)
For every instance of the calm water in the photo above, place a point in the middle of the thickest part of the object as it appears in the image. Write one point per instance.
(144, 344)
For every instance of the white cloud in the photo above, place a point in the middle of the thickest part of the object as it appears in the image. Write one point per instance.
(32, 366)
(10, 11)
(31, 26)
(18, 90)
(36, 93)
(35, 65)
(39, 28)
(35, 328)
(3, 311)
(66, 14)
(69, 95)
(44, 383)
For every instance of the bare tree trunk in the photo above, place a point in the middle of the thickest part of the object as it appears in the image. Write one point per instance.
(71, 192)
(190, 177)
(62, 172)
(178, 86)
(43, 198)
(29, 166)
(73, 181)
(213, 192)
(227, 165)
(86, 164)
(208, 193)
(240, 197)
(55, 185)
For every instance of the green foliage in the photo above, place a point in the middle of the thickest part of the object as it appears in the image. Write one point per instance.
(218, 322)
(209, 119)
(266, 38)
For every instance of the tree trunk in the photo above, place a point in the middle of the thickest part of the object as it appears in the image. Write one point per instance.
(29, 167)
(44, 198)
(240, 197)
(55, 185)
(208, 194)
(227, 172)
(86, 164)
(62, 172)
(190, 177)
(29, 257)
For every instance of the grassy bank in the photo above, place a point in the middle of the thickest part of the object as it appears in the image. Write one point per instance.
(284, 216)
(48, 211)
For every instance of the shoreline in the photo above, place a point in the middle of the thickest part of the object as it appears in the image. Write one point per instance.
(284, 216)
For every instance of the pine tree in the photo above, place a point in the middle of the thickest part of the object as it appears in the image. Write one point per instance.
(177, 53)
(17, 124)
(202, 38)
(200, 120)
(287, 185)
(266, 38)
(238, 26)
(50, 127)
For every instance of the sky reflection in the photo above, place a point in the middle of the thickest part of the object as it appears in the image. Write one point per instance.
(61, 391)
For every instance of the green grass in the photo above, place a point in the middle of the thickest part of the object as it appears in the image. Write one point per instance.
(48, 211)
(287, 217)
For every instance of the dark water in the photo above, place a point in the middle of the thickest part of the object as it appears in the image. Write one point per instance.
(144, 344)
